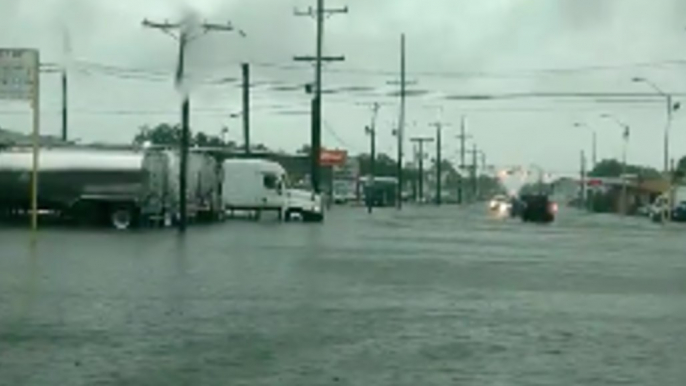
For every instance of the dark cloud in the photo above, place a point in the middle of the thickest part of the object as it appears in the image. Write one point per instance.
(455, 47)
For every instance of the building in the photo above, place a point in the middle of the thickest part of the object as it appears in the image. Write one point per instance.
(606, 194)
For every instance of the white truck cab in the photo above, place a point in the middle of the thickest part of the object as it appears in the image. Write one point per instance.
(261, 185)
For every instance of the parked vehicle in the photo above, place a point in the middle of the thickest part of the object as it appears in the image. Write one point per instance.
(260, 185)
(119, 188)
(205, 180)
(660, 209)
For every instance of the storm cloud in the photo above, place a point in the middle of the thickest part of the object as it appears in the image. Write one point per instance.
(121, 74)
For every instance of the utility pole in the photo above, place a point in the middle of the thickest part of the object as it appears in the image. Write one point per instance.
(421, 141)
(371, 131)
(475, 188)
(402, 118)
(439, 172)
(184, 37)
(439, 160)
(316, 134)
(671, 108)
(372, 166)
(67, 55)
(583, 180)
(594, 155)
(245, 70)
(463, 138)
(401, 126)
(64, 105)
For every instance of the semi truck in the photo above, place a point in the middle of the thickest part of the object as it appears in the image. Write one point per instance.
(259, 185)
(120, 188)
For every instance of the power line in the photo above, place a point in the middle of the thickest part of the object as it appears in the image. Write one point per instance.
(336, 136)
(516, 73)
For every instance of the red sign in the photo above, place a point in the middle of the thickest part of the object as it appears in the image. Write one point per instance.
(332, 157)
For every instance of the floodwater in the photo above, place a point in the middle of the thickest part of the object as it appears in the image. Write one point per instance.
(428, 296)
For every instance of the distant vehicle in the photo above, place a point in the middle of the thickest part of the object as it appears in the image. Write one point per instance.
(500, 204)
(119, 188)
(660, 209)
(260, 185)
(538, 208)
(344, 191)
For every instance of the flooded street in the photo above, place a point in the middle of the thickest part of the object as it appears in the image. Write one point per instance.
(427, 296)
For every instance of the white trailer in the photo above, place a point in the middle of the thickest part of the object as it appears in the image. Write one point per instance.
(259, 185)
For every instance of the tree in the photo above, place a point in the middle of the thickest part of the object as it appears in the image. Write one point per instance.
(607, 168)
(384, 166)
(304, 149)
(614, 168)
(681, 166)
(163, 134)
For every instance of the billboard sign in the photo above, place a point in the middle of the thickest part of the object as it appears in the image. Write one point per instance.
(332, 157)
(18, 73)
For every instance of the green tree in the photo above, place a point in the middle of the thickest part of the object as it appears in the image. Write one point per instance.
(304, 150)
(163, 134)
(614, 168)
(682, 164)
(384, 166)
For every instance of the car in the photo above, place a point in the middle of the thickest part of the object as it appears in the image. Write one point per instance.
(500, 204)
(538, 208)
(660, 210)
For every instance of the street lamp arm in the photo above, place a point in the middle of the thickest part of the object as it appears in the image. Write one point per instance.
(652, 85)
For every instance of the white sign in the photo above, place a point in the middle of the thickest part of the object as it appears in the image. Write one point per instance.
(18, 73)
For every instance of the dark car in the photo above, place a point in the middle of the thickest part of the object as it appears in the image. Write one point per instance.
(537, 208)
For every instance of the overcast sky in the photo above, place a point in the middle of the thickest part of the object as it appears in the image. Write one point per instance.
(121, 73)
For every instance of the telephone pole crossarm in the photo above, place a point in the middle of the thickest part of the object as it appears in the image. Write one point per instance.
(339, 58)
(312, 12)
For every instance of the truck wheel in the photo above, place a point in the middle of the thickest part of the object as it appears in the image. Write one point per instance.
(121, 218)
(291, 214)
(313, 217)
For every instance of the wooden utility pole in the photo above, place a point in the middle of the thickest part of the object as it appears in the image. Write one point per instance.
(439, 160)
(463, 138)
(64, 105)
(582, 189)
(439, 167)
(66, 53)
(245, 70)
(316, 132)
(401, 124)
(400, 131)
(371, 131)
(184, 37)
(474, 172)
(421, 141)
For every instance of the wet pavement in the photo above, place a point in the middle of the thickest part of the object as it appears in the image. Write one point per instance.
(427, 296)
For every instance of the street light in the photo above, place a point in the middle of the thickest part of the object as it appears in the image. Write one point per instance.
(670, 108)
(625, 135)
(225, 131)
(594, 145)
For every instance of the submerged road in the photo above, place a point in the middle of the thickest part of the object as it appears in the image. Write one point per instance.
(428, 296)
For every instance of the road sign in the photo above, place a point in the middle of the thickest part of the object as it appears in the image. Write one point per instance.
(17, 73)
(332, 157)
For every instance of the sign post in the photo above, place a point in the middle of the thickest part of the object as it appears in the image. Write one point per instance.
(19, 81)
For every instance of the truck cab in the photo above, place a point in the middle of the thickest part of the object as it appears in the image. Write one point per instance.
(259, 185)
